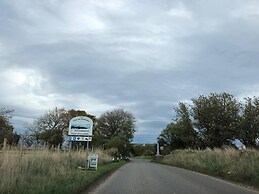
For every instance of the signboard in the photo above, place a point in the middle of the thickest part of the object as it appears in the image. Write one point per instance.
(80, 126)
(93, 161)
(78, 138)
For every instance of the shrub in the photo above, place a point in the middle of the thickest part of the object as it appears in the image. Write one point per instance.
(229, 163)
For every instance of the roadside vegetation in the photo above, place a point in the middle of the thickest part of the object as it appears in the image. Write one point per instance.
(213, 121)
(45, 171)
(231, 164)
(217, 135)
(35, 162)
(143, 150)
(112, 130)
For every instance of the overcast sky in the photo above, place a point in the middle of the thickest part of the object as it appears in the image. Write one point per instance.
(141, 55)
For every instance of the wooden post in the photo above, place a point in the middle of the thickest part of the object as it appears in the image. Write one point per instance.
(58, 147)
(5, 143)
(21, 147)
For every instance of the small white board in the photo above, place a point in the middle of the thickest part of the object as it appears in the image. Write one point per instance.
(93, 161)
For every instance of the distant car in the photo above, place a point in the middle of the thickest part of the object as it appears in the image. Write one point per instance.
(115, 159)
(126, 158)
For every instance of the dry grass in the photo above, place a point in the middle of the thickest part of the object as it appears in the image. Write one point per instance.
(36, 170)
(239, 166)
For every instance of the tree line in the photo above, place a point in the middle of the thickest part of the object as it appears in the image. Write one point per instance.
(213, 121)
(113, 129)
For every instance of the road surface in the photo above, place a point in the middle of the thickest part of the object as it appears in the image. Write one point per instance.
(143, 177)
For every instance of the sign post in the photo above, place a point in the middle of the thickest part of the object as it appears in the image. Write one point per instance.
(80, 126)
(81, 129)
(87, 154)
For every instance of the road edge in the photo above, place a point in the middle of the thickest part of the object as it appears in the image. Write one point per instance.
(239, 184)
(101, 179)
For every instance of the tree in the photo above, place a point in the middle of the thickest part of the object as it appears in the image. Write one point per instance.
(143, 149)
(172, 137)
(115, 129)
(216, 118)
(6, 129)
(188, 134)
(250, 122)
(75, 113)
(29, 138)
(179, 134)
(50, 127)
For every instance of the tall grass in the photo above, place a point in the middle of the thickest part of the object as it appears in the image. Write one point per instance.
(43, 171)
(229, 163)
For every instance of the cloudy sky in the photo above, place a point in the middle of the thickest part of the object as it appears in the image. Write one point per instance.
(141, 55)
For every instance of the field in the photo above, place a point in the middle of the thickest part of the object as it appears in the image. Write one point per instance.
(230, 164)
(45, 171)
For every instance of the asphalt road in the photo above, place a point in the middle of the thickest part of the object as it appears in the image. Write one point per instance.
(140, 176)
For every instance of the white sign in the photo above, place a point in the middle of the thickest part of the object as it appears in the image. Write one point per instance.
(93, 161)
(77, 138)
(80, 126)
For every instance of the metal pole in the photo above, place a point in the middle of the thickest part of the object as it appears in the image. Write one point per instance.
(69, 149)
(87, 153)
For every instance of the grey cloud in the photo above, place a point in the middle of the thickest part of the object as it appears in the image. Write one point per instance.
(142, 56)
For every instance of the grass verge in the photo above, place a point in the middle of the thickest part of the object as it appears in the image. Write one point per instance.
(230, 164)
(80, 179)
(46, 172)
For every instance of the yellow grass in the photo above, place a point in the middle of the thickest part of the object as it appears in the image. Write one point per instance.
(39, 167)
(229, 163)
